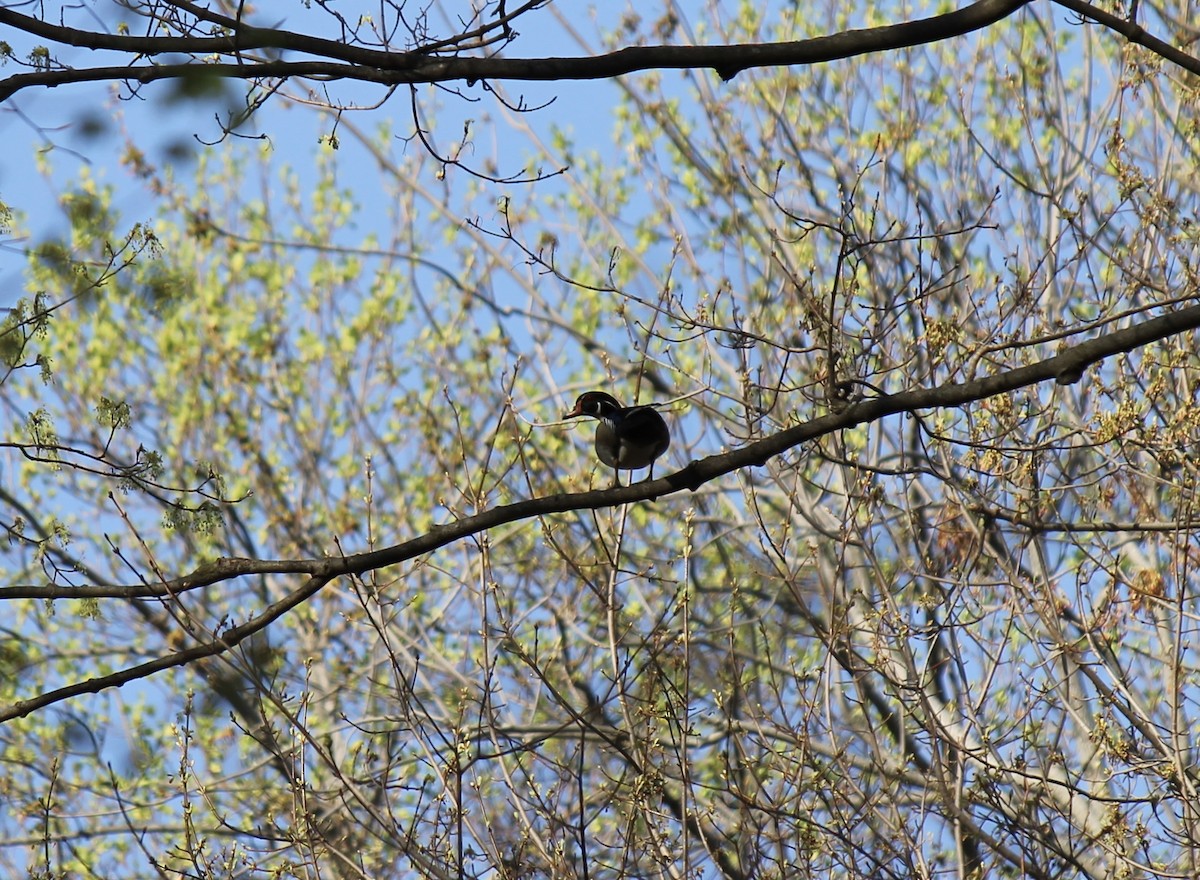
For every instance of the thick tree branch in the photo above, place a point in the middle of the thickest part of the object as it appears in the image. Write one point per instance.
(419, 66)
(246, 39)
(1134, 33)
(1062, 368)
(219, 645)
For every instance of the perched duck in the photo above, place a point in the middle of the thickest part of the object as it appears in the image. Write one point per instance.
(628, 437)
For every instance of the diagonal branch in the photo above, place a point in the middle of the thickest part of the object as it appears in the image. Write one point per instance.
(1134, 33)
(1064, 368)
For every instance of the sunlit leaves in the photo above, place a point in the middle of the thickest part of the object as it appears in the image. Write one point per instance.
(40, 432)
(113, 414)
(203, 519)
(39, 58)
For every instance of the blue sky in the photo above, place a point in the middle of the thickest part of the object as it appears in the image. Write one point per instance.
(80, 127)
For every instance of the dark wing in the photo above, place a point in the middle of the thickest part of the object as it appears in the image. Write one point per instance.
(644, 426)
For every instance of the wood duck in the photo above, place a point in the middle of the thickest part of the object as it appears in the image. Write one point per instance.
(628, 437)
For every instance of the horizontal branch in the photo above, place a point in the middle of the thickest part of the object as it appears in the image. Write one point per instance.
(398, 68)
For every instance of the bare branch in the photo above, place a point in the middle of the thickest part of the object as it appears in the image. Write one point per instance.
(1133, 32)
(419, 66)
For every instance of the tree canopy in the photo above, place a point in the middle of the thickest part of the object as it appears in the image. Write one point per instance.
(306, 576)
